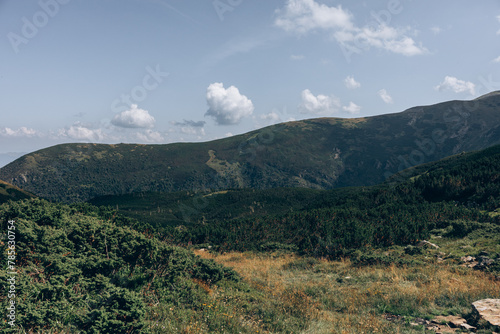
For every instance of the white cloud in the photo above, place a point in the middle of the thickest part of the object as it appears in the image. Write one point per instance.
(272, 117)
(227, 106)
(352, 108)
(20, 132)
(456, 85)
(351, 83)
(496, 60)
(385, 96)
(134, 118)
(80, 132)
(150, 136)
(303, 16)
(297, 57)
(320, 104)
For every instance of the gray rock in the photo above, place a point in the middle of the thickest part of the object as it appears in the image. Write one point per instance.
(488, 310)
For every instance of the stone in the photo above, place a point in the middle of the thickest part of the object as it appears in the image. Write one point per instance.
(467, 259)
(488, 310)
(427, 243)
(451, 320)
(468, 327)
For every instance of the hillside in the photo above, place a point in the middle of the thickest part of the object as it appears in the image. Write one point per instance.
(81, 269)
(320, 153)
(406, 208)
(10, 192)
(314, 261)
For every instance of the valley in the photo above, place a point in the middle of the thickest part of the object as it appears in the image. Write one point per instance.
(373, 225)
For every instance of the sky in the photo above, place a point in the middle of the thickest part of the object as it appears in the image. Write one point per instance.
(164, 71)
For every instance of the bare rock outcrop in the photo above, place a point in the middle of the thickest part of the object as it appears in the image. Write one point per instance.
(488, 310)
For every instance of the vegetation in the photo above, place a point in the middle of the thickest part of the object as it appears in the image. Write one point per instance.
(329, 223)
(10, 192)
(210, 238)
(321, 153)
(82, 272)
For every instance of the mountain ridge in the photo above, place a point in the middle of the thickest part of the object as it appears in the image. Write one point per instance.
(320, 153)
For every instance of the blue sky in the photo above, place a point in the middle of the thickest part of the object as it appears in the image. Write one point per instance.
(162, 71)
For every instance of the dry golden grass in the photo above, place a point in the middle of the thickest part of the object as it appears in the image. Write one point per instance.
(339, 297)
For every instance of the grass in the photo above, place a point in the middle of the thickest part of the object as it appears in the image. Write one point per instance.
(287, 293)
(341, 297)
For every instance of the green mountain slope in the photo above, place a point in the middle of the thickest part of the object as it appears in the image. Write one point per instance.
(328, 222)
(80, 272)
(10, 192)
(318, 153)
(460, 193)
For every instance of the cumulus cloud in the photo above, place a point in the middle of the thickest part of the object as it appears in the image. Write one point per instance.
(496, 60)
(319, 104)
(227, 106)
(80, 132)
(20, 132)
(352, 108)
(134, 118)
(456, 85)
(385, 96)
(303, 16)
(351, 83)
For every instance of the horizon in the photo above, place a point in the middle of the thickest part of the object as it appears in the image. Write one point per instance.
(8, 157)
(153, 72)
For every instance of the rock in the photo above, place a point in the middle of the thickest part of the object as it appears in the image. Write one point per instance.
(483, 262)
(467, 259)
(468, 327)
(427, 243)
(487, 310)
(451, 320)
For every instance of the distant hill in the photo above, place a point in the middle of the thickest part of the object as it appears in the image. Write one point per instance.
(319, 153)
(10, 192)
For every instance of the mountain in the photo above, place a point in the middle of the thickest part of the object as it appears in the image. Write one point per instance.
(10, 192)
(321, 153)
(459, 194)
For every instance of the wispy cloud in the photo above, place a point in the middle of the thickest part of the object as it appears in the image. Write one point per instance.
(351, 83)
(436, 30)
(20, 132)
(352, 108)
(384, 95)
(303, 16)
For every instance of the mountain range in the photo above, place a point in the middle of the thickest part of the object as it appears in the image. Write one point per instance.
(322, 153)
